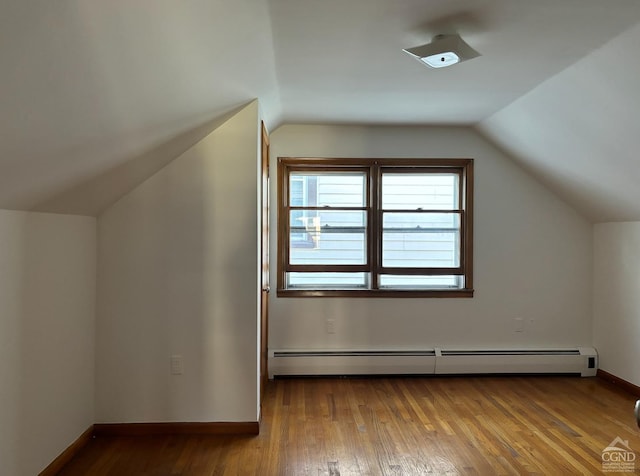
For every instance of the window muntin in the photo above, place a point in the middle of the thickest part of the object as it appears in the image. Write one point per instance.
(375, 227)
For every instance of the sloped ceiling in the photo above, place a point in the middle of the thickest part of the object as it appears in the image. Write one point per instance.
(90, 86)
(96, 96)
(579, 132)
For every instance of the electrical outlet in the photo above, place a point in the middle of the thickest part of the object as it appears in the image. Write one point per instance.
(176, 365)
(331, 326)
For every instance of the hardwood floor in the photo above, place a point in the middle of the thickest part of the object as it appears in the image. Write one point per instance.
(397, 426)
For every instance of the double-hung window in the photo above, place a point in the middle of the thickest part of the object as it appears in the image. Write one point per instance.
(375, 227)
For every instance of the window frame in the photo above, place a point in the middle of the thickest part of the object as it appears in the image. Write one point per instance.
(374, 169)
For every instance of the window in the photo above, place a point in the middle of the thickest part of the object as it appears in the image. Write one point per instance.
(375, 227)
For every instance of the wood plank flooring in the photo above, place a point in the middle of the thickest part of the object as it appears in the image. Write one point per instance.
(396, 426)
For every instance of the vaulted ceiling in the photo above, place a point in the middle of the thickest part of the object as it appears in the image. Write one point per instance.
(97, 95)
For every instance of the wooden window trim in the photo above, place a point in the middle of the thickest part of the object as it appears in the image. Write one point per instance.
(373, 169)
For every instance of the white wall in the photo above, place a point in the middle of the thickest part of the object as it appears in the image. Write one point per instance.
(47, 298)
(616, 302)
(532, 256)
(178, 275)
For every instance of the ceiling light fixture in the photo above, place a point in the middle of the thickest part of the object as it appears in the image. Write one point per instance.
(444, 50)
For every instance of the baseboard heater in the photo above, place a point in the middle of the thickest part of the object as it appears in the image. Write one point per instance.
(580, 361)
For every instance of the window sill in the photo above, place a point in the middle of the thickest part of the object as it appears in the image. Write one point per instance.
(378, 293)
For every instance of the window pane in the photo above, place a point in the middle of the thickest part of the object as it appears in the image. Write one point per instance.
(327, 237)
(421, 240)
(298, 191)
(414, 191)
(420, 282)
(327, 280)
(332, 189)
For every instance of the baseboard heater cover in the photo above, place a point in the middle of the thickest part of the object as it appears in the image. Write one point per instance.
(351, 362)
(439, 361)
